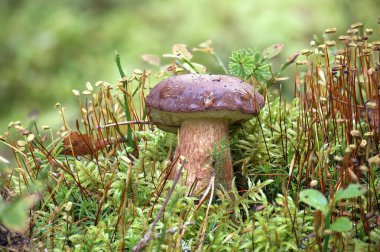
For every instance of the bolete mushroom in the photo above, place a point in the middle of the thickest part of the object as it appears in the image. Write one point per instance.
(203, 107)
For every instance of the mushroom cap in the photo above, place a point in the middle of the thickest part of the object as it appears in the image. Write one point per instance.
(192, 96)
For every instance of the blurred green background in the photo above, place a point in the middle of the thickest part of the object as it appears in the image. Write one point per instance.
(49, 48)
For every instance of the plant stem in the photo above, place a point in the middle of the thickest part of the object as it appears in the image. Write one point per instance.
(191, 65)
(122, 123)
(220, 63)
(326, 237)
(130, 142)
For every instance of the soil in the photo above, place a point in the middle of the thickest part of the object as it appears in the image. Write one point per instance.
(9, 240)
(13, 241)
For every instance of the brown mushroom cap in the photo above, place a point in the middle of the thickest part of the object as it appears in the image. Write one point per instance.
(192, 96)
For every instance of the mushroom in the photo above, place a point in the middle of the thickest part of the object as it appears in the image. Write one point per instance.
(201, 108)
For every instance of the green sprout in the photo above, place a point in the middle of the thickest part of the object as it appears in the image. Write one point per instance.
(247, 64)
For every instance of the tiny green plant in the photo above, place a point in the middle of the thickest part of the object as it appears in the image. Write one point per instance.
(248, 64)
(326, 207)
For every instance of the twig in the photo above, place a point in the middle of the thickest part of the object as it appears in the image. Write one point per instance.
(122, 123)
(14, 148)
(148, 235)
(201, 201)
(174, 229)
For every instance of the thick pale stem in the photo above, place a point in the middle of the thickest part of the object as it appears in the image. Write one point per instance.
(205, 145)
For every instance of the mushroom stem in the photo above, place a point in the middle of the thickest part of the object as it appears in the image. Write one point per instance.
(205, 145)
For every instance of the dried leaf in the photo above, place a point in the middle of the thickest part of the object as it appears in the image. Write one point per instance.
(205, 47)
(181, 50)
(272, 51)
(151, 59)
(81, 144)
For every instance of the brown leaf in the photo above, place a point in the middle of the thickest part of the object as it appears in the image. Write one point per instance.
(78, 144)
